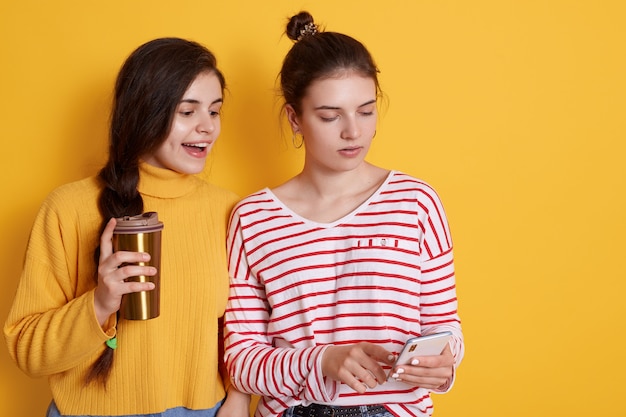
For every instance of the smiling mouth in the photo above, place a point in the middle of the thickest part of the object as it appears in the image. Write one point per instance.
(196, 146)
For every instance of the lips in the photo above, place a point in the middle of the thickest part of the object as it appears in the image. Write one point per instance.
(196, 149)
(200, 146)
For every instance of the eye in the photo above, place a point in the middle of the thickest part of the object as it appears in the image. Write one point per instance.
(368, 111)
(328, 117)
(215, 110)
(185, 111)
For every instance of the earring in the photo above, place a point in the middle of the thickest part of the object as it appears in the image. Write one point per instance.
(293, 139)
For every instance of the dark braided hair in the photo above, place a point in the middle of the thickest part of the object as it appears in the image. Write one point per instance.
(148, 90)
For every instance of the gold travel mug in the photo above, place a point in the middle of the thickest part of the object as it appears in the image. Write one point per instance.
(141, 233)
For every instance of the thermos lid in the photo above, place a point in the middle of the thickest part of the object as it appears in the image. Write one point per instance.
(142, 223)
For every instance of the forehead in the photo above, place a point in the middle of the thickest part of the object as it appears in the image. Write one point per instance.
(205, 83)
(345, 89)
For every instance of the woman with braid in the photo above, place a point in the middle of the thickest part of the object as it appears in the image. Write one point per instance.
(64, 322)
(334, 270)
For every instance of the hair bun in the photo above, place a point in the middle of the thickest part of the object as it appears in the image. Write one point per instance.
(301, 25)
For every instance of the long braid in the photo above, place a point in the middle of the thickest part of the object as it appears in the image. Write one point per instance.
(116, 200)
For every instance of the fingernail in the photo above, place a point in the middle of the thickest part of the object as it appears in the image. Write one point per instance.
(395, 376)
(391, 357)
(415, 362)
(400, 370)
(145, 256)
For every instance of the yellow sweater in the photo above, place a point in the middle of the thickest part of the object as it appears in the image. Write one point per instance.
(166, 362)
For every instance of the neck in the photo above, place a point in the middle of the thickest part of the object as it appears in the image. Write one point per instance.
(332, 184)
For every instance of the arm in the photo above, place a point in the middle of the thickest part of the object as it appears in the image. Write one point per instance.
(439, 304)
(54, 324)
(256, 365)
(236, 403)
(256, 361)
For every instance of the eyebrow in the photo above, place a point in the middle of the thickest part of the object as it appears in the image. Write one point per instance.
(194, 101)
(337, 108)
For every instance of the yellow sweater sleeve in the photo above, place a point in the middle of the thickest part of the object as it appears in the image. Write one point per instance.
(52, 326)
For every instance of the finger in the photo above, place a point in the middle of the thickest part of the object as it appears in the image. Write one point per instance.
(136, 273)
(376, 355)
(121, 265)
(133, 286)
(106, 240)
(368, 378)
(125, 258)
(421, 381)
(440, 361)
(356, 384)
(380, 354)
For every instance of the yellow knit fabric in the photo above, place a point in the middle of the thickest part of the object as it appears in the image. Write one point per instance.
(166, 362)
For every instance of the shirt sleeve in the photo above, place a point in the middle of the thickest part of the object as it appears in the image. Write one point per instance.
(52, 326)
(255, 362)
(438, 298)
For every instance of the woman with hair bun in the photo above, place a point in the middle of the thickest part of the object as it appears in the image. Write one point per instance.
(334, 270)
(65, 324)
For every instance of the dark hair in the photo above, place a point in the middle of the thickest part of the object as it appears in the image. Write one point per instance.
(317, 54)
(148, 89)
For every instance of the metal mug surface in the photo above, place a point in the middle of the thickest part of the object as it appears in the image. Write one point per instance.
(141, 233)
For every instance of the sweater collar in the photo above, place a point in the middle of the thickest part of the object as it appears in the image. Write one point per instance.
(164, 183)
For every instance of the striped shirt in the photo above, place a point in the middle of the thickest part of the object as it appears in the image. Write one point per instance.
(381, 274)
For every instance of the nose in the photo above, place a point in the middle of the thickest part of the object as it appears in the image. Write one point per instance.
(206, 124)
(351, 129)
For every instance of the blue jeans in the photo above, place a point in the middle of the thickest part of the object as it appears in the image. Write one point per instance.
(289, 413)
(53, 411)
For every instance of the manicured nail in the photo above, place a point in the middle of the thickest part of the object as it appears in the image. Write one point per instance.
(391, 357)
(400, 370)
(395, 376)
(415, 362)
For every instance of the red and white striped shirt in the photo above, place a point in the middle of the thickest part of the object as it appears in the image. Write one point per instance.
(381, 274)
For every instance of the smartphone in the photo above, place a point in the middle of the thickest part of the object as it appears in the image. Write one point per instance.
(429, 345)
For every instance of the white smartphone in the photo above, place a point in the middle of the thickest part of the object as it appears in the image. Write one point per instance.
(429, 345)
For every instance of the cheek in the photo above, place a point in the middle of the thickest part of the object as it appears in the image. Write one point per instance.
(218, 127)
(178, 131)
(371, 124)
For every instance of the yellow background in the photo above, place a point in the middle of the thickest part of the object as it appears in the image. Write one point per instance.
(513, 110)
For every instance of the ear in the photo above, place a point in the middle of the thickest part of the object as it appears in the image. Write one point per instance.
(292, 117)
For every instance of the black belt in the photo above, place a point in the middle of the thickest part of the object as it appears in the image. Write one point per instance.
(321, 410)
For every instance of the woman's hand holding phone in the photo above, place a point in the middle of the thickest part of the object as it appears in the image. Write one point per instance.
(420, 365)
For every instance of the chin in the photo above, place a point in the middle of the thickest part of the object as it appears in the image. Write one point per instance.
(189, 169)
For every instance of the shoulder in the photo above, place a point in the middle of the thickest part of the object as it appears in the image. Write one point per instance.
(70, 208)
(400, 182)
(260, 198)
(401, 187)
(215, 194)
(74, 195)
(255, 204)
